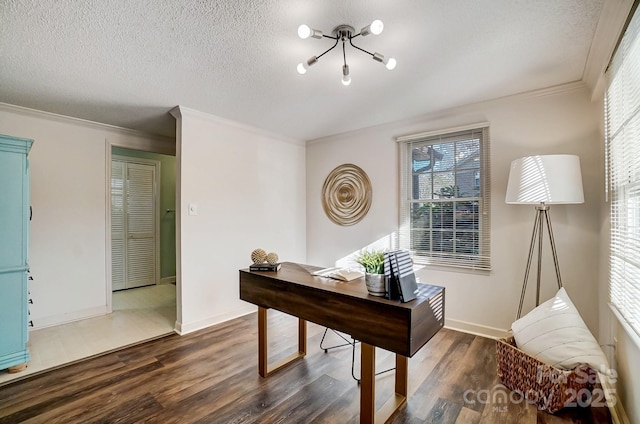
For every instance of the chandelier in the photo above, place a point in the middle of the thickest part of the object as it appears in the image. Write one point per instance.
(344, 33)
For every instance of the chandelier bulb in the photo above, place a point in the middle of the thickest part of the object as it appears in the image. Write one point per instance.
(305, 32)
(302, 67)
(374, 28)
(346, 78)
(390, 63)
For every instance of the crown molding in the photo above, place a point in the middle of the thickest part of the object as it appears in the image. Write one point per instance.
(613, 17)
(548, 91)
(458, 110)
(180, 112)
(6, 107)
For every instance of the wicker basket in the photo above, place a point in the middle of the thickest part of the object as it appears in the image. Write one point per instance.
(550, 388)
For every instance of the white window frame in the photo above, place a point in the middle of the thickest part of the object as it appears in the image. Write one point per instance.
(622, 124)
(480, 261)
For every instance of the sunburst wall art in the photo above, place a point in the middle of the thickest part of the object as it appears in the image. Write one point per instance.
(346, 195)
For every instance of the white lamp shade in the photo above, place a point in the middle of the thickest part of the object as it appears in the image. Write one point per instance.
(549, 179)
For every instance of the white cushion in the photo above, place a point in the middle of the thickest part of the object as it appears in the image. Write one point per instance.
(555, 333)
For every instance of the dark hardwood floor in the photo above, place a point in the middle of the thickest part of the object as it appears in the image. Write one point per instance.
(211, 377)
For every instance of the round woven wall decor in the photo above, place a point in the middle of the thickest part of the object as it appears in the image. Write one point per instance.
(346, 195)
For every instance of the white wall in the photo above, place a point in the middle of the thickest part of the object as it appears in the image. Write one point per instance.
(558, 120)
(249, 188)
(67, 252)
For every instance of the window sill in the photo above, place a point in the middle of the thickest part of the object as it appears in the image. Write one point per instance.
(420, 263)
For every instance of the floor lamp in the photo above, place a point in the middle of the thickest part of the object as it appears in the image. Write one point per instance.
(543, 181)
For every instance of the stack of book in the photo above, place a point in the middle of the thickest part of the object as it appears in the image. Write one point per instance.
(265, 267)
(400, 279)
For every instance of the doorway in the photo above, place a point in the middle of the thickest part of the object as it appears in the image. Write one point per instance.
(134, 222)
(165, 203)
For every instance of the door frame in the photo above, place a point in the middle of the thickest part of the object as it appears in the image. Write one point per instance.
(132, 141)
(156, 200)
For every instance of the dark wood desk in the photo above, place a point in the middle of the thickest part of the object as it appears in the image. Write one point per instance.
(402, 328)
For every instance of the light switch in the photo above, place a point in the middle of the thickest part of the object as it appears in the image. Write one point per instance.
(193, 209)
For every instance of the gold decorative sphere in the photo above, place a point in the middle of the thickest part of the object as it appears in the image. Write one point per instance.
(272, 258)
(258, 256)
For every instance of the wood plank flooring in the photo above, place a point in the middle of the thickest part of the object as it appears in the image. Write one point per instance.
(211, 376)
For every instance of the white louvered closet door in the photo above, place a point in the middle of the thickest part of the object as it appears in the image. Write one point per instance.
(133, 226)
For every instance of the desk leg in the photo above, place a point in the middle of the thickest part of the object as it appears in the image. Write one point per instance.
(264, 368)
(262, 341)
(402, 373)
(367, 383)
(302, 336)
(368, 413)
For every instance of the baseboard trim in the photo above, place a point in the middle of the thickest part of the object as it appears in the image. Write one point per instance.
(167, 280)
(68, 317)
(186, 328)
(618, 414)
(616, 409)
(475, 329)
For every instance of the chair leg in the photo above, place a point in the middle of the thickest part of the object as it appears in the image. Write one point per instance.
(352, 343)
(348, 342)
(353, 362)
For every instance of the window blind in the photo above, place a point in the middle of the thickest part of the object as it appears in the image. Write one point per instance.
(622, 132)
(445, 197)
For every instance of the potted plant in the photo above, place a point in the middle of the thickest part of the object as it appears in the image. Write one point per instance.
(373, 263)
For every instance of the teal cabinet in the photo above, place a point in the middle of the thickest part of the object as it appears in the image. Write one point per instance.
(14, 246)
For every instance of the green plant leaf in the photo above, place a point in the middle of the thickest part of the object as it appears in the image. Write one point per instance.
(372, 261)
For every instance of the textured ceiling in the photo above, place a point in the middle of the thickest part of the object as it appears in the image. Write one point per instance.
(127, 63)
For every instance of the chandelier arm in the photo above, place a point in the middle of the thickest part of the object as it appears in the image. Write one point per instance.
(362, 50)
(344, 54)
(329, 49)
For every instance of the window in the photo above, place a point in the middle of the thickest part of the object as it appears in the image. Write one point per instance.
(445, 197)
(622, 126)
